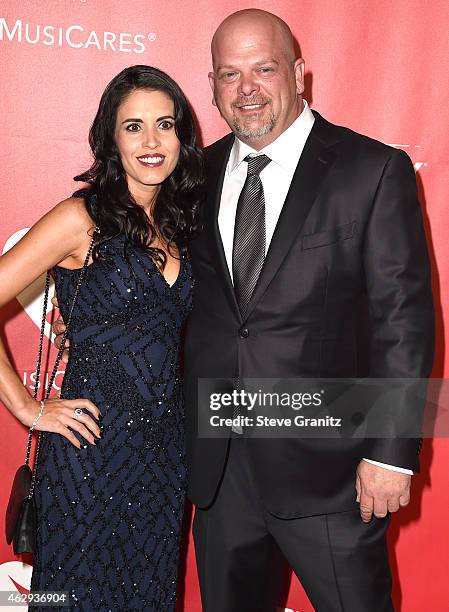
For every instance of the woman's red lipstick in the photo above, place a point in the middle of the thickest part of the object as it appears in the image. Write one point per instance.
(151, 161)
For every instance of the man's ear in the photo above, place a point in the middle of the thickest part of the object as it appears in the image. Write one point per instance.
(298, 68)
(211, 77)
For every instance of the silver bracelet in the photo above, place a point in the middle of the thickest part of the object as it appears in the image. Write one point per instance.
(41, 411)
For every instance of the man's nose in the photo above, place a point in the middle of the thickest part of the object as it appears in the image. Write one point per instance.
(248, 86)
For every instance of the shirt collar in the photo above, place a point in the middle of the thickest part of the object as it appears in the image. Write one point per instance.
(285, 150)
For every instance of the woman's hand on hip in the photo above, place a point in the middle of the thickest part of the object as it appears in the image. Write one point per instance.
(64, 415)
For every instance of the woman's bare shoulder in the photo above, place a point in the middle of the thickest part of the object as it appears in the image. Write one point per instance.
(72, 213)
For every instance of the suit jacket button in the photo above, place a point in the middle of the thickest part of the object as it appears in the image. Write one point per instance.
(244, 332)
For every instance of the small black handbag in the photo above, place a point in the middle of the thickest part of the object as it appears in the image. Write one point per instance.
(21, 514)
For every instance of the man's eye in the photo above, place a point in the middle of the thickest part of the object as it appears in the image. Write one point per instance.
(166, 125)
(228, 75)
(133, 127)
(266, 70)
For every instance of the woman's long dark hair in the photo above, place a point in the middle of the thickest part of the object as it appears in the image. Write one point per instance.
(175, 214)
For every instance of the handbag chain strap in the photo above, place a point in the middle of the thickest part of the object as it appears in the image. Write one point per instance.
(46, 395)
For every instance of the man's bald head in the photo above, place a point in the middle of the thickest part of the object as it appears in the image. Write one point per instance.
(257, 82)
(250, 18)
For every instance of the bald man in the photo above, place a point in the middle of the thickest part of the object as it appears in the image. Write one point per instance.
(322, 230)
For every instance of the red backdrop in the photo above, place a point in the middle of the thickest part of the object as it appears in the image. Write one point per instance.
(378, 66)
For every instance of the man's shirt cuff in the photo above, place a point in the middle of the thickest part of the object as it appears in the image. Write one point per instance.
(394, 468)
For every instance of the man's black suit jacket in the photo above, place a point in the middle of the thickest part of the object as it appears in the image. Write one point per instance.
(349, 246)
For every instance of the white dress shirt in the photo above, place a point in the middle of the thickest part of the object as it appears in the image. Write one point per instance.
(276, 178)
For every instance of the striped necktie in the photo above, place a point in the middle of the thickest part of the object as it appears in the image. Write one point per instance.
(248, 252)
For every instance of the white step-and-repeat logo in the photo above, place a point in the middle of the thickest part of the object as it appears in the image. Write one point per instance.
(15, 576)
(75, 36)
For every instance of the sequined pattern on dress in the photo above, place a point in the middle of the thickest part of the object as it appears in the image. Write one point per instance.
(110, 514)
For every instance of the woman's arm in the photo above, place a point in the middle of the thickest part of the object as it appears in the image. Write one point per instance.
(62, 236)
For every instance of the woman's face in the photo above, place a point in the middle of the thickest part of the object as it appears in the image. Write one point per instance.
(146, 139)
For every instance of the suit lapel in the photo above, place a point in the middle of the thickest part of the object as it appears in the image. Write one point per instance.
(215, 169)
(314, 164)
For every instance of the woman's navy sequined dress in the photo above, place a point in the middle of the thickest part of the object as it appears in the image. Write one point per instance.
(109, 515)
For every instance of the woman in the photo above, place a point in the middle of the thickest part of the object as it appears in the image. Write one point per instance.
(111, 478)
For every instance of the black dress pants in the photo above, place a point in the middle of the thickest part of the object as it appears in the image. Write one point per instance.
(241, 550)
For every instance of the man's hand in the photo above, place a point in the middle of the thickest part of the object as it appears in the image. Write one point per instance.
(58, 329)
(380, 490)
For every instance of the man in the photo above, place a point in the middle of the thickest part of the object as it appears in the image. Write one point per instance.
(300, 244)
(298, 247)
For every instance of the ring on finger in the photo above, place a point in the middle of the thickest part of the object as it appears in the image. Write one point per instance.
(77, 413)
